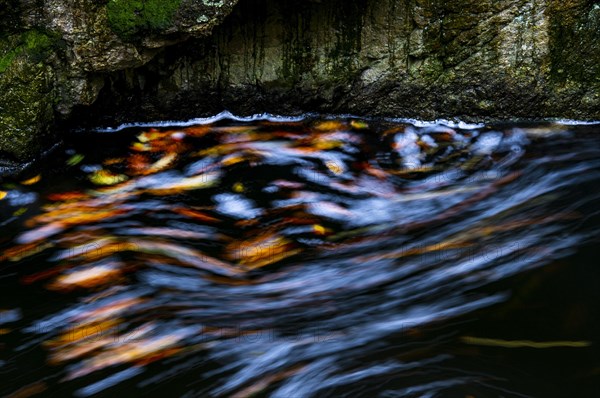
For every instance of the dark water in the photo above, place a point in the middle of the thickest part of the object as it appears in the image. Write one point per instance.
(308, 258)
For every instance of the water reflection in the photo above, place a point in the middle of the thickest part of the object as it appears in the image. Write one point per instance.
(289, 258)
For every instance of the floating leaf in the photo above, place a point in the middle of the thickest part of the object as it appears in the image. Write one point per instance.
(334, 167)
(32, 180)
(359, 124)
(230, 160)
(200, 181)
(84, 331)
(105, 177)
(148, 136)
(196, 215)
(185, 255)
(110, 310)
(261, 251)
(234, 129)
(138, 163)
(167, 232)
(20, 211)
(67, 196)
(197, 131)
(238, 187)
(75, 159)
(19, 252)
(141, 147)
(29, 390)
(319, 229)
(160, 164)
(86, 278)
(113, 161)
(329, 125)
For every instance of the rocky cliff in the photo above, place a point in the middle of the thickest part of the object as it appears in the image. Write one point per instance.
(110, 61)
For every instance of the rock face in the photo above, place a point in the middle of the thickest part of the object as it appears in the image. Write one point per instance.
(55, 54)
(150, 59)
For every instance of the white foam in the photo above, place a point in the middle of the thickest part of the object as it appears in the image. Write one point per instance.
(570, 122)
(444, 122)
(236, 206)
(280, 118)
(204, 120)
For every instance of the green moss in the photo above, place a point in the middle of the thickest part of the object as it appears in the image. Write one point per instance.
(26, 111)
(7, 59)
(36, 46)
(26, 92)
(128, 18)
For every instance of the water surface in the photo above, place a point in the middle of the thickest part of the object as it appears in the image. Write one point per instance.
(307, 257)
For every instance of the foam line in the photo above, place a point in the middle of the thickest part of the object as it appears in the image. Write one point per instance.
(205, 120)
(279, 118)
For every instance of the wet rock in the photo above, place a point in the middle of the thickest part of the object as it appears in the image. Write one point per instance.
(25, 94)
(477, 60)
(53, 55)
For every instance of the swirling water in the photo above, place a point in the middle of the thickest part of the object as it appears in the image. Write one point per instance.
(309, 257)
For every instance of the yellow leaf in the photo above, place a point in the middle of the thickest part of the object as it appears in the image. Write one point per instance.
(334, 167)
(20, 211)
(232, 160)
(86, 331)
(319, 229)
(329, 125)
(149, 136)
(161, 164)
(238, 187)
(185, 184)
(327, 144)
(104, 177)
(112, 161)
(3, 194)
(32, 180)
(261, 251)
(359, 124)
(86, 278)
(141, 147)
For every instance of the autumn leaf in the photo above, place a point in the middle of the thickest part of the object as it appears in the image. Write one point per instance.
(105, 177)
(32, 180)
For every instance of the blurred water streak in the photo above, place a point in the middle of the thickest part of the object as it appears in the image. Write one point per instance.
(303, 258)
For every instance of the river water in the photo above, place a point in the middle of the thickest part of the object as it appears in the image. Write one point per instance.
(309, 257)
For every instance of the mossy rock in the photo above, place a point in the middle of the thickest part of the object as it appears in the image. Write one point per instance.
(575, 41)
(26, 94)
(129, 18)
(36, 46)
